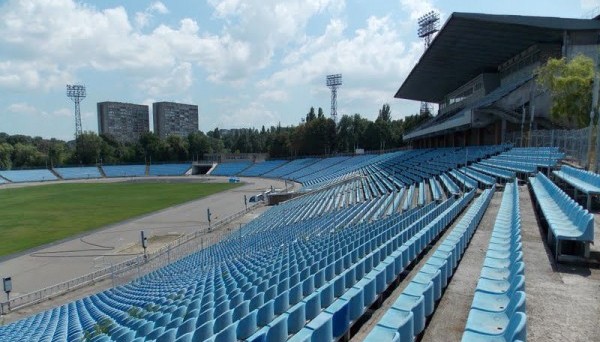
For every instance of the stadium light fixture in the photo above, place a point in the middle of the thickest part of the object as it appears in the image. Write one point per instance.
(333, 82)
(77, 93)
(428, 25)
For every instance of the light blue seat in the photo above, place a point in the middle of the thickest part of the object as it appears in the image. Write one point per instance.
(296, 318)
(495, 323)
(322, 327)
(414, 304)
(247, 325)
(340, 312)
(204, 331)
(168, 336)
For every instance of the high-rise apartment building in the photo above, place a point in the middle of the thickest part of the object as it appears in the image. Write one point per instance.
(172, 118)
(124, 121)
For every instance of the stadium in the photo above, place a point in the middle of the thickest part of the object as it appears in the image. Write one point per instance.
(464, 236)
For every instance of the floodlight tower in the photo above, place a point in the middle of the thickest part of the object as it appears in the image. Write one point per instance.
(428, 25)
(76, 93)
(333, 81)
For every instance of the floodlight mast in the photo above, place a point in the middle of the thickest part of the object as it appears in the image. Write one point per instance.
(333, 82)
(428, 25)
(76, 93)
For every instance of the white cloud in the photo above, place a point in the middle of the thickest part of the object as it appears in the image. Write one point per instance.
(49, 53)
(267, 25)
(142, 19)
(41, 51)
(255, 114)
(179, 80)
(373, 55)
(587, 5)
(274, 95)
(158, 7)
(416, 9)
(23, 108)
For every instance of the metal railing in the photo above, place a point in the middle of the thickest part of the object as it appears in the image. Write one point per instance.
(132, 268)
(573, 142)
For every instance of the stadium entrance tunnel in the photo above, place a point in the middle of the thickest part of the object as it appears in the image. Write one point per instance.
(201, 169)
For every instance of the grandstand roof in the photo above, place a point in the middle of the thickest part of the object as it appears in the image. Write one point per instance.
(471, 43)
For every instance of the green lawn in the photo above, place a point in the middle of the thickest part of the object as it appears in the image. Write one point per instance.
(33, 216)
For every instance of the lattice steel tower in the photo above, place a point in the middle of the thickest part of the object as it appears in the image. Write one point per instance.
(333, 81)
(428, 25)
(77, 94)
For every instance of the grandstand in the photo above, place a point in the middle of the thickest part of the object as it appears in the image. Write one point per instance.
(84, 172)
(168, 169)
(124, 170)
(486, 84)
(18, 176)
(230, 168)
(314, 267)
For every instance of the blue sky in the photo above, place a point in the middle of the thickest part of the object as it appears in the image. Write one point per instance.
(244, 63)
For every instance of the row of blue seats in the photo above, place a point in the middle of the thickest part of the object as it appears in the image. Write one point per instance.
(567, 220)
(335, 319)
(498, 308)
(585, 181)
(18, 176)
(343, 168)
(124, 170)
(581, 180)
(321, 166)
(83, 172)
(169, 169)
(155, 328)
(502, 175)
(406, 318)
(510, 165)
(482, 179)
(89, 172)
(463, 179)
(436, 189)
(169, 332)
(261, 168)
(290, 167)
(449, 184)
(230, 168)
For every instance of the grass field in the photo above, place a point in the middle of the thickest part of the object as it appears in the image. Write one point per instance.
(33, 216)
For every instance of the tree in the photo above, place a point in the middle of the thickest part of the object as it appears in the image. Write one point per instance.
(6, 151)
(57, 152)
(198, 145)
(177, 148)
(384, 126)
(152, 147)
(570, 84)
(311, 115)
(279, 145)
(87, 148)
(320, 113)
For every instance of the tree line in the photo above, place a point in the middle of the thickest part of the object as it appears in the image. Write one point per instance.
(316, 134)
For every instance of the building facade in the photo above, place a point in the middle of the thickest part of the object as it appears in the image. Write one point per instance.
(123, 121)
(172, 118)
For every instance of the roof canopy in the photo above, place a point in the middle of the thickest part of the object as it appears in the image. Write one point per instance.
(470, 44)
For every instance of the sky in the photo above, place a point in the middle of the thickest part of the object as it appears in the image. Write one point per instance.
(245, 63)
